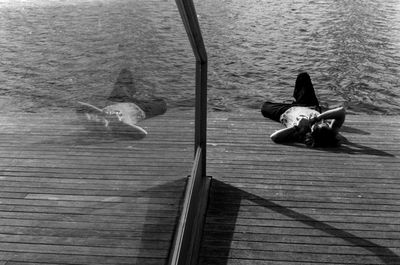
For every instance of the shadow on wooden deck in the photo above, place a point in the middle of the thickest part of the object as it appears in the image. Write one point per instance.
(289, 204)
(223, 194)
(348, 147)
(72, 193)
(154, 234)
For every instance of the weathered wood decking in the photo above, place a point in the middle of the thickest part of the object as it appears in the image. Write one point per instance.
(72, 194)
(281, 204)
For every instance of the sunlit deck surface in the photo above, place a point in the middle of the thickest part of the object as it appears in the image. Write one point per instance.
(282, 204)
(71, 193)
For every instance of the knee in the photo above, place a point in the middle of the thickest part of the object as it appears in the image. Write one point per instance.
(265, 108)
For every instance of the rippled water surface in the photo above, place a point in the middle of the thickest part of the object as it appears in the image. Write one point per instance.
(56, 52)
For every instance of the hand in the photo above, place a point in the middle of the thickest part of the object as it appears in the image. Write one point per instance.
(313, 120)
(304, 126)
(303, 123)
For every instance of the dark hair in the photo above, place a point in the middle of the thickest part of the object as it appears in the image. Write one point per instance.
(322, 137)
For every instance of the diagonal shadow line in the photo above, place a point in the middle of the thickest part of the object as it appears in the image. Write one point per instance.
(347, 147)
(349, 129)
(386, 255)
(354, 148)
(160, 229)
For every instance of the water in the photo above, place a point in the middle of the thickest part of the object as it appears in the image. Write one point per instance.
(56, 52)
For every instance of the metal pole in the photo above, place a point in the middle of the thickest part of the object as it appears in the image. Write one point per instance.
(189, 18)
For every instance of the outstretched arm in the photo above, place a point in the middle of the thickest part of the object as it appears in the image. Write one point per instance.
(292, 133)
(285, 135)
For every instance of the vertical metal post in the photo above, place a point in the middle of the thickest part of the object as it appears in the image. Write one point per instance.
(189, 18)
(201, 112)
(187, 238)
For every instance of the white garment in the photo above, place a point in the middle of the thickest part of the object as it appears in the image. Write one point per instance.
(292, 116)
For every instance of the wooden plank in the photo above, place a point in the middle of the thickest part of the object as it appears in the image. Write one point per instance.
(57, 258)
(283, 204)
(310, 239)
(59, 232)
(73, 195)
(277, 204)
(186, 245)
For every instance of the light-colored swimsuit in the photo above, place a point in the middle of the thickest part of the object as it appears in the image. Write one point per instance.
(292, 116)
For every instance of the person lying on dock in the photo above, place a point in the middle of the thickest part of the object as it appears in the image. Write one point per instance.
(126, 110)
(125, 92)
(303, 119)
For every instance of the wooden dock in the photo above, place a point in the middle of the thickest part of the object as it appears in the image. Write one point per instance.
(288, 204)
(74, 193)
(71, 193)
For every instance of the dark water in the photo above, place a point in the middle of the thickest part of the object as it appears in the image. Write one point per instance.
(54, 53)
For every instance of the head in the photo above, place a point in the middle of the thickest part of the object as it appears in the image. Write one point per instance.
(322, 135)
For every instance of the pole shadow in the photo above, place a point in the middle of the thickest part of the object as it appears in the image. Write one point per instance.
(233, 195)
(158, 209)
(160, 222)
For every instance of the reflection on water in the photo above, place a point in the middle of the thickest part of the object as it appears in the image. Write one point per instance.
(124, 115)
(55, 53)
